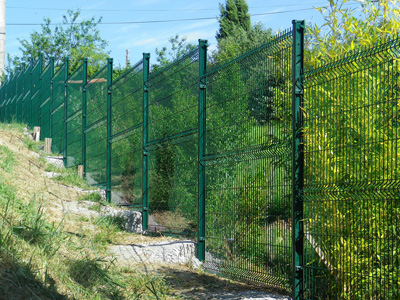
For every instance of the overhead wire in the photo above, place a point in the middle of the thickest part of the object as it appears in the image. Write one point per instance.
(157, 10)
(164, 21)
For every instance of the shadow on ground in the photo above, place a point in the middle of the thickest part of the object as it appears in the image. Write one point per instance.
(18, 282)
(192, 285)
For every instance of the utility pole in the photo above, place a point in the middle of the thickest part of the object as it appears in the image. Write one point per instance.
(127, 64)
(2, 36)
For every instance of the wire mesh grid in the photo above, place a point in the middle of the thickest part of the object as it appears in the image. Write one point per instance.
(45, 98)
(172, 146)
(57, 111)
(96, 129)
(351, 202)
(127, 138)
(248, 165)
(75, 83)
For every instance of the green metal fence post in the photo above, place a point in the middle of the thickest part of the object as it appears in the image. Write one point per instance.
(84, 107)
(109, 126)
(145, 128)
(51, 104)
(65, 109)
(201, 213)
(297, 157)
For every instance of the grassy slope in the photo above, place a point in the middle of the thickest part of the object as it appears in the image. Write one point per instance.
(45, 254)
(48, 254)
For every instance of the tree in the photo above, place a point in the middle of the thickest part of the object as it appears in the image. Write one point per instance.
(233, 16)
(72, 39)
(178, 48)
(356, 167)
(240, 41)
(347, 28)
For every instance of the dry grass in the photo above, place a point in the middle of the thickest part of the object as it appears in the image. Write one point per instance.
(72, 260)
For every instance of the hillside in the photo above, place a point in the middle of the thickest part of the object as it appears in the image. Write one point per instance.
(58, 240)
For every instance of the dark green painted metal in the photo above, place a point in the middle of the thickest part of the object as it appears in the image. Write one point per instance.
(298, 158)
(84, 107)
(66, 73)
(248, 158)
(46, 100)
(29, 106)
(201, 232)
(51, 106)
(145, 176)
(127, 137)
(124, 132)
(178, 135)
(109, 126)
(351, 193)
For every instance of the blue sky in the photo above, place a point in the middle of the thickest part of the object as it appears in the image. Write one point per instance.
(145, 37)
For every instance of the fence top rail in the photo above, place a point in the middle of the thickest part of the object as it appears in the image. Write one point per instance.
(357, 55)
(174, 63)
(272, 41)
(136, 68)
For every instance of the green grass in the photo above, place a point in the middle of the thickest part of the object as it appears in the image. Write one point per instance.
(70, 177)
(93, 197)
(7, 159)
(109, 226)
(38, 260)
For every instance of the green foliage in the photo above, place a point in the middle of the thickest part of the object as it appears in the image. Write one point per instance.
(346, 29)
(351, 136)
(73, 38)
(179, 47)
(70, 177)
(33, 228)
(93, 197)
(7, 159)
(241, 41)
(163, 176)
(96, 275)
(234, 15)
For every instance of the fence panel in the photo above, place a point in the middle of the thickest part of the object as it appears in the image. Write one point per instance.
(73, 148)
(35, 94)
(172, 146)
(27, 93)
(13, 97)
(45, 100)
(96, 128)
(127, 137)
(248, 165)
(57, 109)
(19, 92)
(351, 198)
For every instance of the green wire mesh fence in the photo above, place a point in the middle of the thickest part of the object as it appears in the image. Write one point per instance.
(45, 100)
(248, 165)
(57, 115)
(73, 103)
(171, 146)
(351, 202)
(96, 128)
(34, 112)
(216, 151)
(127, 137)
